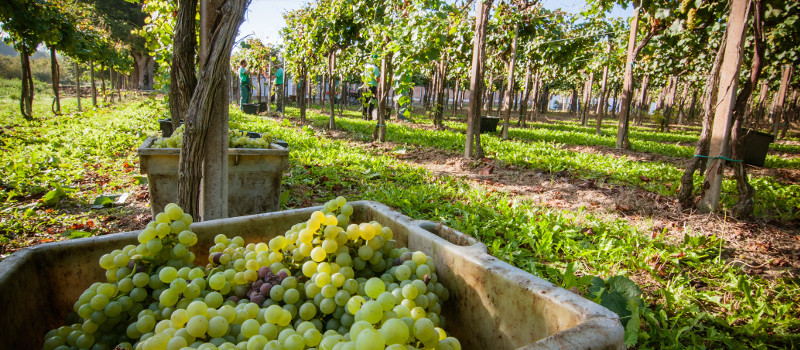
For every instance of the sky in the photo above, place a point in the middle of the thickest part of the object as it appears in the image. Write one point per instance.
(264, 18)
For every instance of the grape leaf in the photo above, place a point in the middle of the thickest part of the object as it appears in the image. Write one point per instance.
(52, 197)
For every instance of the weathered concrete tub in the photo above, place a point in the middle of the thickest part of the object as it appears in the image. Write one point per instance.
(492, 306)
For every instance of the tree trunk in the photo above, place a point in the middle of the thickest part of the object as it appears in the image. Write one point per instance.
(302, 96)
(728, 81)
(692, 104)
(331, 90)
(573, 101)
(510, 84)
(671, 90)
(701, 149)
(112, 76)
(78, 84)
(103, 82)
(472, 147)
(56, 81)
(26, 99)
(456, 93)
(627, 84)
(601, 102)
(144, 63)
(523, 103)
(587, 99)
(744, 206)
(762, 102)
(660, 100)
(781, 114)
(209, 97)
(489, 101)
(684, 95)
(438, 107)
(92, 83)
(641, 104)
(383, 91)
(614, 104)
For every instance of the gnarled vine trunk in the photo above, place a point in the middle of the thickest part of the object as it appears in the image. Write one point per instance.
(55, 73)
(182, 74)
(209, 97)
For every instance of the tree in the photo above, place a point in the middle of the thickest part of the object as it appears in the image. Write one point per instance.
(473, 148)
(203, 159)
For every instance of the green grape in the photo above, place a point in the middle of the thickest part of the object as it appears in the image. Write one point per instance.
(307, 311)
(387, 301)
(216, 281)
(318, 254)
(410, 292)
(371, 311)
(113, 309)
(196, 308)
(99, 302)
(374, 287)
(327, 306)
(402, 273)
(312, 337)
(273, 314)
(354, 304)
(187, 238)
(197, 326)
(169, 297)
(424, 329)
(145, 323)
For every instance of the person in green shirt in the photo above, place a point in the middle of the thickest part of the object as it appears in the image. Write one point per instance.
(278, 76)
(244, 83)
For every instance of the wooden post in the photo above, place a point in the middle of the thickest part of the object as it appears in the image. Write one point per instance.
(684, 94)
(627, 83)
(669, 102)
(728, 84)
(214, 186)
(780, 111)
(587, 99)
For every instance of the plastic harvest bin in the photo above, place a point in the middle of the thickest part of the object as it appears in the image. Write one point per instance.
(254, 177)
(492, 304)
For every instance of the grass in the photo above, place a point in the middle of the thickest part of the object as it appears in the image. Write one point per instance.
(695, 297)
(773, 198)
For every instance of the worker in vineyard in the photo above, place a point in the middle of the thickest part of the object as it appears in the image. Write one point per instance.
(244, 83)
(278, 76)
(371, 77)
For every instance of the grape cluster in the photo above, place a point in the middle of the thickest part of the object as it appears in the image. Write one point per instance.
(325, 284)
(236, 139)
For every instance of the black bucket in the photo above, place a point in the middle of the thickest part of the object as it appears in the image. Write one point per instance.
(756, 145)
(489, 124)
(250, 108)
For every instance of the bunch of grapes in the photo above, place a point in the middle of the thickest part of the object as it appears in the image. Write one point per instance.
(239, 139)
(236, 139)
(325, 284)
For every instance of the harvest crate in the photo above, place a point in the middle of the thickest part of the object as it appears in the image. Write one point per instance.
(254, 177)
(492, 304)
